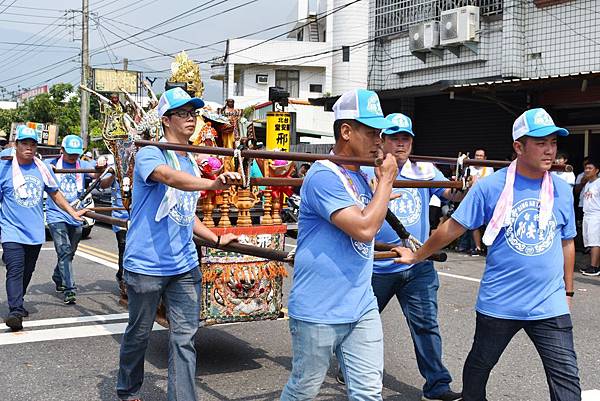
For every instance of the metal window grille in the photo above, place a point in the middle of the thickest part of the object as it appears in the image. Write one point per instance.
(395, 16)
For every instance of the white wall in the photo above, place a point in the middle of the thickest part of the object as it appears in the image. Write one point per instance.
(257, 93)
(350, 28)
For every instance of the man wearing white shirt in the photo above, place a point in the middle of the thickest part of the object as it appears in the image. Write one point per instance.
(567, 176)
(479, 172)
(591, 217)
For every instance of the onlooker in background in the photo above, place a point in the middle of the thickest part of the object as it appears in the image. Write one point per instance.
(591, 216)
(479, 172)
(304, 167)
(9, 149)
(579, 184)
(562, 158)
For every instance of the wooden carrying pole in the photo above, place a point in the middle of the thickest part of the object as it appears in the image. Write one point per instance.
(296, 182)
(266, 253)
(451, 161)
(264, 154)
(436, 257)
(271, 254)
(107, 219)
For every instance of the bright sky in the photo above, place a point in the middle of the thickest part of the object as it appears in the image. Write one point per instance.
(40, 39)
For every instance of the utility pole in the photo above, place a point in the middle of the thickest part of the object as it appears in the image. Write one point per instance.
(85, 68)
(125, 64)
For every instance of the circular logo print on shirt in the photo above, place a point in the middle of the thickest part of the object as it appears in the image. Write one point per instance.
(408, 207)
(364, 249)
(68, 186)
(524, 235)
(185, 210)
(34, 189)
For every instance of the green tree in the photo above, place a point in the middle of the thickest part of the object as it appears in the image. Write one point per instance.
(59, 106)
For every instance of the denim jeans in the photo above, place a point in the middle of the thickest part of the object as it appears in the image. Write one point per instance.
(66, 239)
(181, 295)
(121, 235)
(359, 350)
(20, 262)
(553, 339)
(416, 290)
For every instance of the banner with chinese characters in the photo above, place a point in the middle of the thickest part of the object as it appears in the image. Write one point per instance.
(115, 80)
(279, 130)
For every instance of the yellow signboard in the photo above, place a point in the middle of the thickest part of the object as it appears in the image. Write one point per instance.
(115, 80)
(278, 130)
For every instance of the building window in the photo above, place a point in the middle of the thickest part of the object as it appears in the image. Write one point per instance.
(318, 88)
(300, 35)
(288, 80)
(345, 54)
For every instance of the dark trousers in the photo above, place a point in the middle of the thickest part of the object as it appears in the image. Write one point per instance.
(416, 290)
(553, 339)
(121, 235)
(20, 262)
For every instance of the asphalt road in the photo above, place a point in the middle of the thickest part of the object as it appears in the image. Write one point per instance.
(70, 352)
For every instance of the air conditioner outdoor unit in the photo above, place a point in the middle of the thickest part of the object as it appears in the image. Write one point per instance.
(459, 26)
(424, 38)
(262, 79)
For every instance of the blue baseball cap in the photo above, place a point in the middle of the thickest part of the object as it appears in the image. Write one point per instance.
(536, 123)
(24, 132)
(175, 98)
(402, 124)
(363, 106)
(73, 144)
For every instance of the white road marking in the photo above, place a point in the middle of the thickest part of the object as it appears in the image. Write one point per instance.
(95, 330)
(97, 259)
(590, 395)
(476, 280)
(291, 246)
(70, 320)
(41, 249)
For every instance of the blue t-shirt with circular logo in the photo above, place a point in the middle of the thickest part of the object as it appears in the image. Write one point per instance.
(524, 273)
(22, 218)
(332, 271)
(163, 248)
(412, 209)
(67, 183)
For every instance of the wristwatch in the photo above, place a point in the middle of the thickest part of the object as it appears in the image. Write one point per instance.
(570, 293)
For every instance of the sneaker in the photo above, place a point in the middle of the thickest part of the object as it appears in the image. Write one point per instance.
(70, 298)
(476, 252)
(25, 313)
(591, 271)
(14, 322)
(446, 396)
(340, 377)
(60, 287)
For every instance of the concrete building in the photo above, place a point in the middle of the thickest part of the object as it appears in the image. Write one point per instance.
(464, 73)
(324, 54)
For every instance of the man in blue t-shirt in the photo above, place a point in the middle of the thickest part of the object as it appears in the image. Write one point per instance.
(331, 306)
(161, 260)
(23, 181)
(116, 201)
(415, 286)
(66, 231)
(528, 279)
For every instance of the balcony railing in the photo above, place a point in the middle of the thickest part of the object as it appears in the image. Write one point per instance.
(395, 16)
